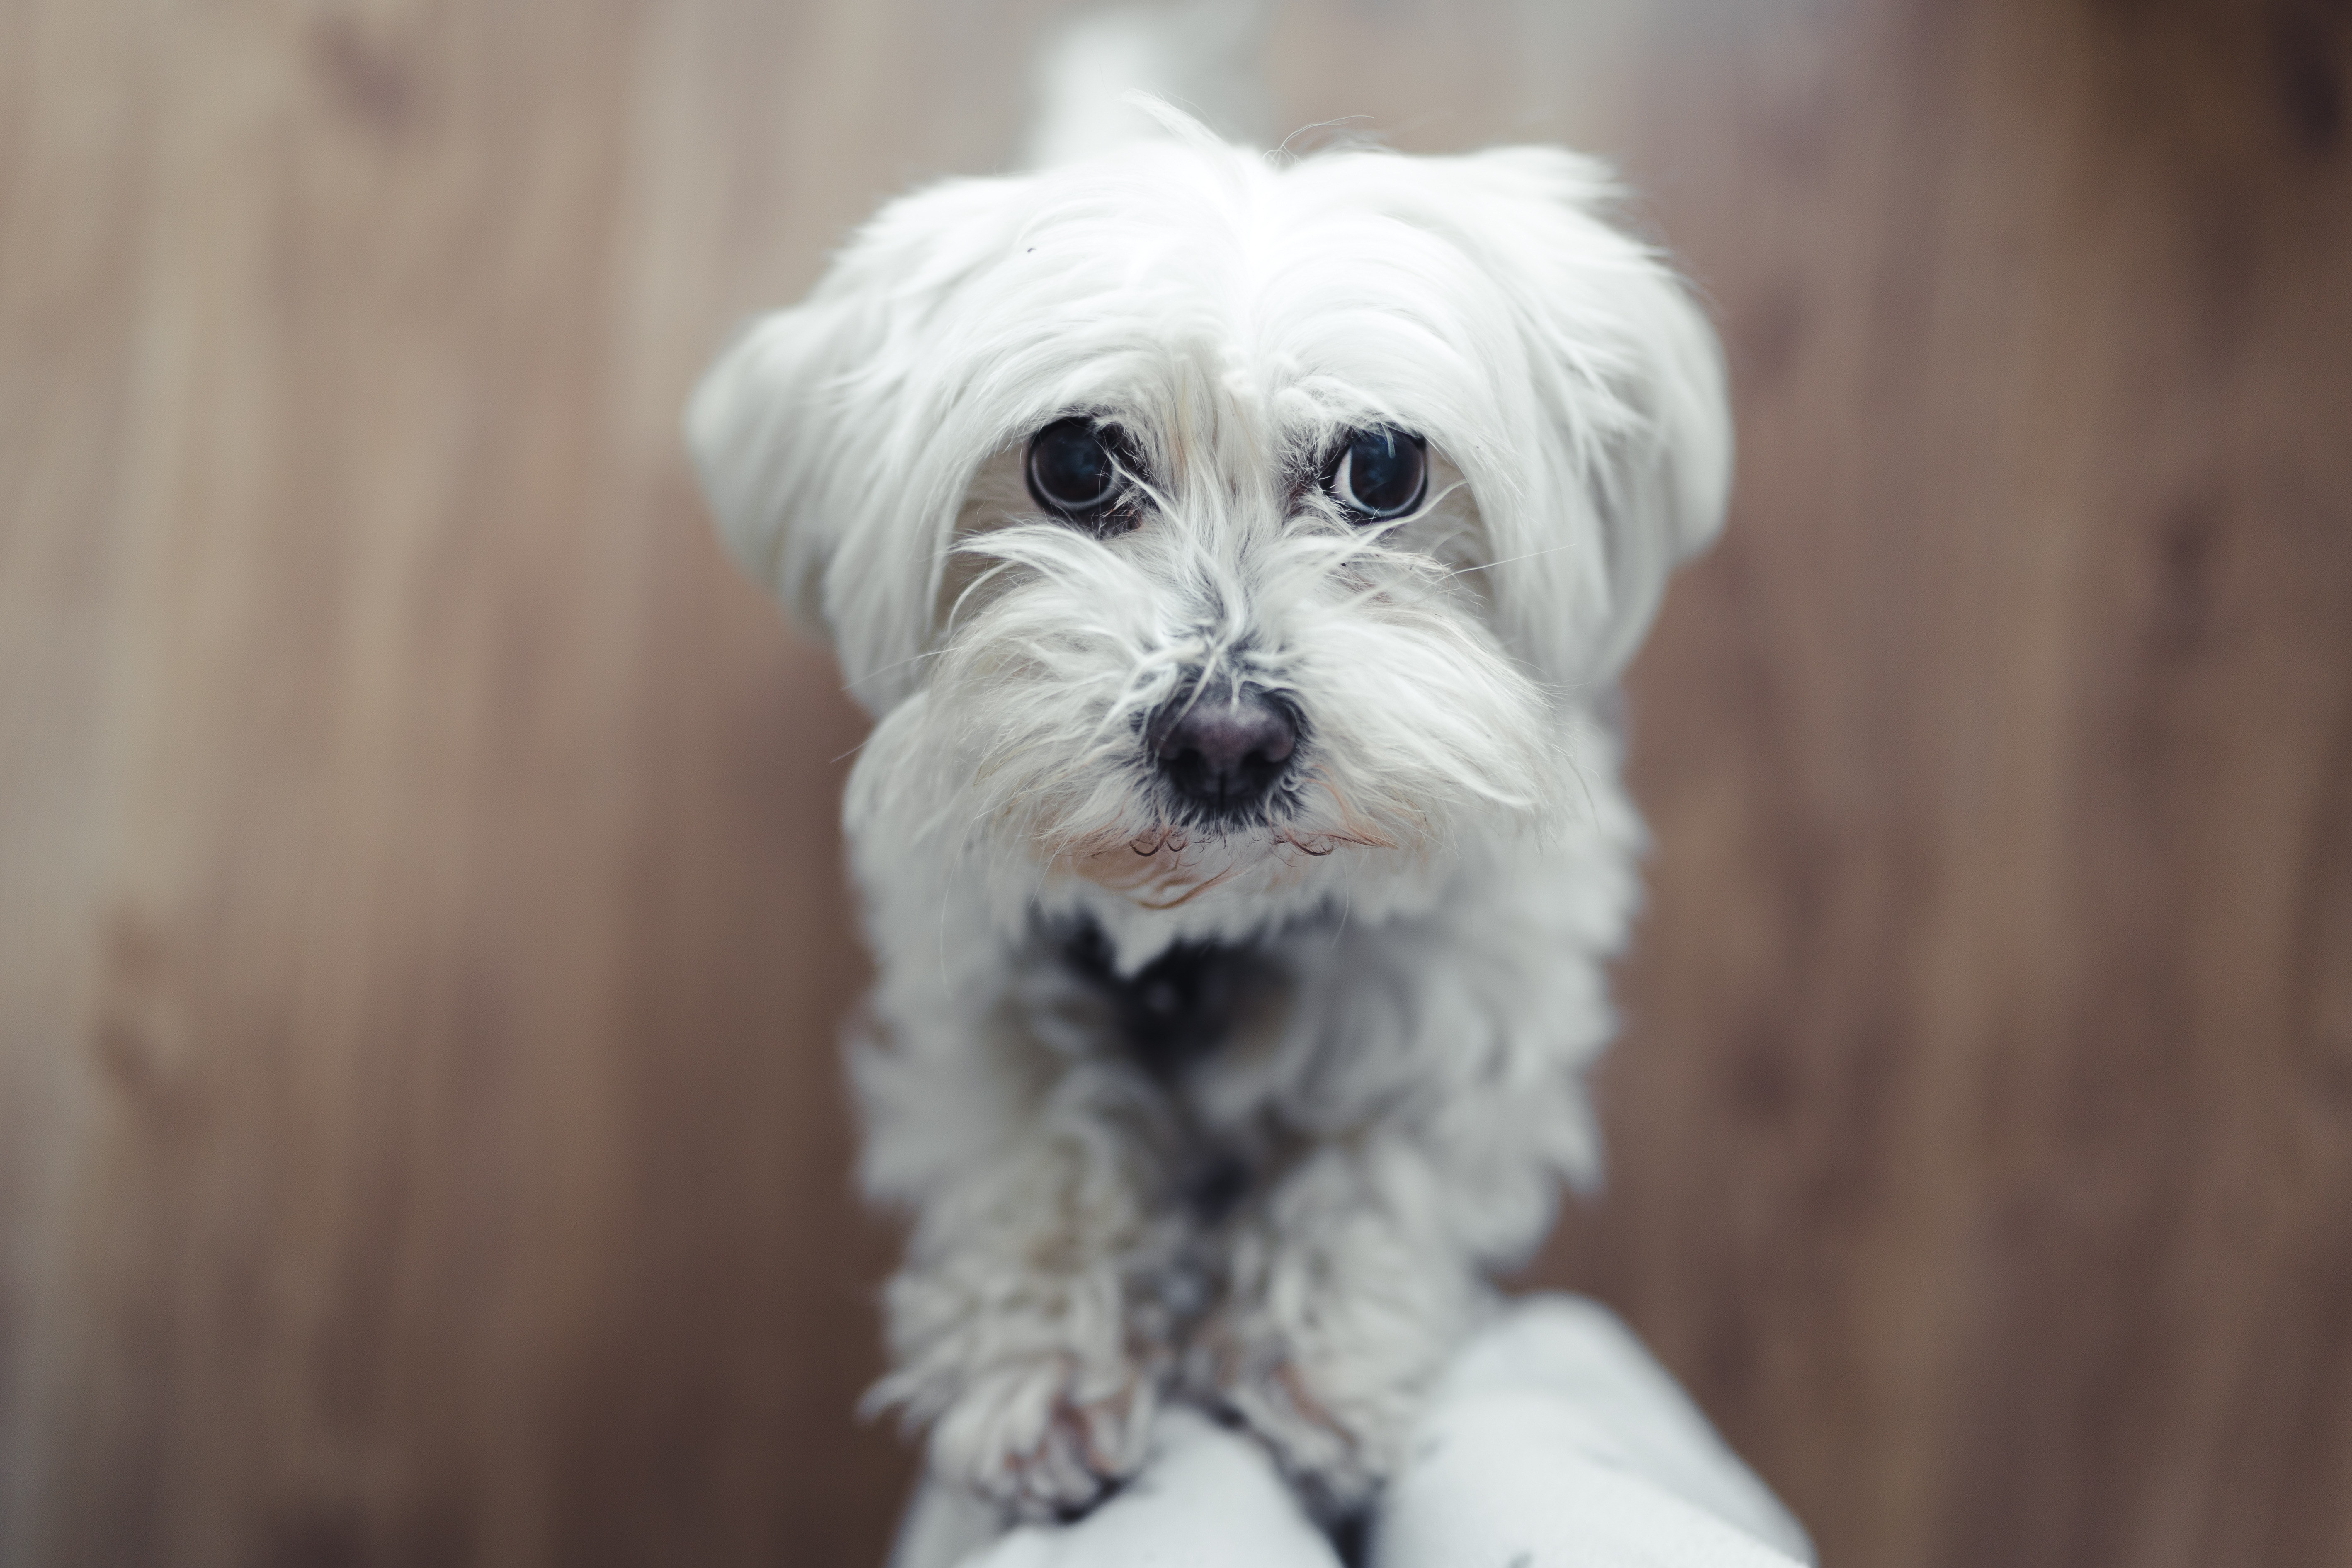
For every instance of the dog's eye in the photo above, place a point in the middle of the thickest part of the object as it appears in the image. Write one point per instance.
(1378, 474)
(1074, 468)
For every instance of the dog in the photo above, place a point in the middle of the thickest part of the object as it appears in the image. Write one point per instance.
(1238, 555)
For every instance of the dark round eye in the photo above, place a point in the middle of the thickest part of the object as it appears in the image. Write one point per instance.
(1075, 469)
(1378, 474)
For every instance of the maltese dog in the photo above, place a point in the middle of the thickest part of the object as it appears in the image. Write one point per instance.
(1238, 555)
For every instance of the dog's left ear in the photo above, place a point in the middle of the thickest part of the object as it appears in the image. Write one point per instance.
(1625, 469)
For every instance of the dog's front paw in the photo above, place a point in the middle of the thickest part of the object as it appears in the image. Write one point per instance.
(1336, 1431)
(1037, 1439)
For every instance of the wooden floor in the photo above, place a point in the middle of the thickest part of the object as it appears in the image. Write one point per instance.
(421, 923)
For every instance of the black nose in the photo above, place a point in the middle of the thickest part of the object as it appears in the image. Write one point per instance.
(1223, 755)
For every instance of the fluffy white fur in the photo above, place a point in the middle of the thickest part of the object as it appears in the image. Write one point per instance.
(1419, 924)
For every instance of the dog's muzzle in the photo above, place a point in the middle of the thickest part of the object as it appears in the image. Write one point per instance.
(1223, 755)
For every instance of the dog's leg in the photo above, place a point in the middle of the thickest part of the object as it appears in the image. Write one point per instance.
(1014, 1324)
(1356, 1275)
(1345, 1293)
(1434, 1106)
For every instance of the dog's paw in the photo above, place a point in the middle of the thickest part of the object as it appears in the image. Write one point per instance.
(1035, 1437)
(1338, 1438)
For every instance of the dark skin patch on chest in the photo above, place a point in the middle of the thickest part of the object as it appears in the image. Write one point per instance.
(1175, 1010)
(1169, 1016)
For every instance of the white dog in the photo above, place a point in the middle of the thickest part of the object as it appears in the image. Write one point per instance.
(1238, 555)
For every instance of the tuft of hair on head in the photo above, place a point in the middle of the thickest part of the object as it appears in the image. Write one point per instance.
(1118, 74)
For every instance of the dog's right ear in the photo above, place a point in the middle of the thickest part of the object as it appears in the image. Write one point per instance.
(831, 446)
(755, 427)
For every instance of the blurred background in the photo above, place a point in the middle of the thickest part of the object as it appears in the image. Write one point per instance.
(422, 926)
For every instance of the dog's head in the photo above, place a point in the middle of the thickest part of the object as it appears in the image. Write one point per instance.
(1193, 520)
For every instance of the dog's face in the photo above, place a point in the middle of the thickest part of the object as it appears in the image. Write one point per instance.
(1208, 535)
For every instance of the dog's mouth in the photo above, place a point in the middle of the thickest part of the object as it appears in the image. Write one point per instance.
(1175, 861)
(1165, 867)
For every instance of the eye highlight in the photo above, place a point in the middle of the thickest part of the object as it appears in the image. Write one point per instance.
(1077, 470)
(1379, 475)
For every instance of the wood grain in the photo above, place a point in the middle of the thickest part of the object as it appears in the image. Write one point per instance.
(421, 922)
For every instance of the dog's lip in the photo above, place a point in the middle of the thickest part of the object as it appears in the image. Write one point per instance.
(1168, 868)
(1165, 877)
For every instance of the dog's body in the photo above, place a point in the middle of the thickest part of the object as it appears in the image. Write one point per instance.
(1242, 843)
